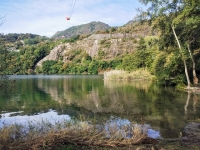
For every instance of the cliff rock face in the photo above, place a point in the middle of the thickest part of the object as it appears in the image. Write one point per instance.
(110, 45)
(55, 53)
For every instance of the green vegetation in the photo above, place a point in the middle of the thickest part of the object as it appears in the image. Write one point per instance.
(171, 53)
(165, 64)
(177, 24)
(88, 28)
(21, 52)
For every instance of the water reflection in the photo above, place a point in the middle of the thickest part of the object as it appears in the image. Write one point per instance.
(15, 117)
(52, 118)
(195, 98)
(163, 108)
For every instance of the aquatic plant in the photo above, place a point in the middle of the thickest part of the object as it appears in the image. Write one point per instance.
(141, 74)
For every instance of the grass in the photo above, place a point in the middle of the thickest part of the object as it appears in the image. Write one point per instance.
(70, 135)
(141, 74)
(83, 135)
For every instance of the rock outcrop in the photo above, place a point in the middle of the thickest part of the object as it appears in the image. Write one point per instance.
(110, 44)
(55, 53)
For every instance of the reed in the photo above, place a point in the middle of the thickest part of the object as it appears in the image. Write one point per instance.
(141, 74)
(82, 133)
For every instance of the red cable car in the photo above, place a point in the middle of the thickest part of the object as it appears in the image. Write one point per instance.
(67, 18)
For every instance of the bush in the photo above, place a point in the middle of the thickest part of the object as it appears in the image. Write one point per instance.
(93, 67)
(48, 67)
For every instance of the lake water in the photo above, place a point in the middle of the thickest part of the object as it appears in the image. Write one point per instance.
(35, 98)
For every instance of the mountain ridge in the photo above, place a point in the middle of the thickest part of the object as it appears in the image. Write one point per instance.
(88, 28)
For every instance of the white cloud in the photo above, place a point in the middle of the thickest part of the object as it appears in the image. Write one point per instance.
(45, 17)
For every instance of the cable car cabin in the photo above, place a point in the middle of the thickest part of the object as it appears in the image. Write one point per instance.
(67, 18)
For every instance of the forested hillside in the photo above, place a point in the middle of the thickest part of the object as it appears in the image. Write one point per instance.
(14, 41)
(20, 52)
(167, 45)
(87, 29)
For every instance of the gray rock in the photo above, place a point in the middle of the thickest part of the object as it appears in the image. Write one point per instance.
(192, 131)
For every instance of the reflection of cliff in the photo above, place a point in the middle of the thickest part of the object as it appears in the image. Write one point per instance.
(108, 97)
(115, 97)
(163, 108)
(58, 89)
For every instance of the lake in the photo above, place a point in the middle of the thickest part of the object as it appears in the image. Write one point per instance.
(33, 98)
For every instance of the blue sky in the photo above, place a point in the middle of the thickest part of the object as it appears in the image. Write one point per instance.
(46, 17)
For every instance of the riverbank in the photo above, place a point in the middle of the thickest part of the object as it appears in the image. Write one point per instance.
(83, 136)
(51, 136)
(189, 140)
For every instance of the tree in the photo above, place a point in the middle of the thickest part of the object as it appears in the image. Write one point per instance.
(3, 61)
(48, 67)
(3, 64)
(4, 78)
(93, 67)
(190, 35)
(171, 19)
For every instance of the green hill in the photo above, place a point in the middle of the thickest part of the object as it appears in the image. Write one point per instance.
(88, 28)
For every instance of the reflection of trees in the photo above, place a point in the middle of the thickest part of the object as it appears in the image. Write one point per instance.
(31, 100)
(171, 106)
(158, 105)
(161, 107)
(195, 99)
(143, 85)
(187, 102)
(94, 95)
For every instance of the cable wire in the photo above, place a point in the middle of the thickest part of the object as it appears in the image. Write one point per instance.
(71, 11)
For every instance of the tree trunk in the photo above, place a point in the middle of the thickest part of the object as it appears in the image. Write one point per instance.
(195, 79)
(184, 61)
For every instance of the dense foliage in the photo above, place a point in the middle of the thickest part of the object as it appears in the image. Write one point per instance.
(20, 52)
(165, 64)
(171, 53)
(177, 25)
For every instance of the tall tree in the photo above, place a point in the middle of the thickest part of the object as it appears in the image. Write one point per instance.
(189, 18)
(171, 18)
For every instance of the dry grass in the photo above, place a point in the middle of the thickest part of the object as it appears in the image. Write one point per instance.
(108, 135)
(141, 74)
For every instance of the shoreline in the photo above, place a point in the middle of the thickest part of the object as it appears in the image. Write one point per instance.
(62, 140)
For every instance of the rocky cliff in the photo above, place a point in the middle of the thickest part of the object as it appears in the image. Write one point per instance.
(109, 45)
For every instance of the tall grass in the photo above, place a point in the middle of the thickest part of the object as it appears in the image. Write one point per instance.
(82, 133)
(141, 74)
